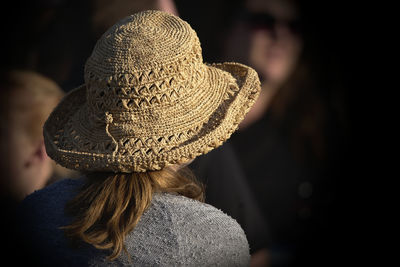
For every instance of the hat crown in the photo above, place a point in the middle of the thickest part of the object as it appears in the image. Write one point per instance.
(149, 58)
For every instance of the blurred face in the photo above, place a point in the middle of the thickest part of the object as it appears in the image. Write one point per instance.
(25, 166)
(275, 43)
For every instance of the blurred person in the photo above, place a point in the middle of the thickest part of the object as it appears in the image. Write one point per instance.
(274, 48)
(267, 35)
(285, 142)
(27, 98)
(148, 107)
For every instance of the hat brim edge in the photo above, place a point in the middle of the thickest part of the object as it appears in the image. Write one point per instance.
(245, 98)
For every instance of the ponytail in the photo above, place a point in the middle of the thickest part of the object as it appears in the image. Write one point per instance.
(109, 205)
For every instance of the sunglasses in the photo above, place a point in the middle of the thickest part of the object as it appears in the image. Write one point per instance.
(268, 21)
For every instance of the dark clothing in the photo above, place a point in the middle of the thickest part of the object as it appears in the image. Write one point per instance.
(227, 189)
(12, 236)
(273, 175)
(291, 192)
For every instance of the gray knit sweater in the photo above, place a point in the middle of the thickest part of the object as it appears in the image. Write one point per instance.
(174, 231)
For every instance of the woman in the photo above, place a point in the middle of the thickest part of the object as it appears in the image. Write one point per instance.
(290, 143)
(148, 107)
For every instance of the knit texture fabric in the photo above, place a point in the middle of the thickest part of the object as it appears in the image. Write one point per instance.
(174, 231)
(148, 100)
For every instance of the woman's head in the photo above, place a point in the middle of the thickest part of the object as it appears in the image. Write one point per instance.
(148, 101)
(27, 98)
(275, 41)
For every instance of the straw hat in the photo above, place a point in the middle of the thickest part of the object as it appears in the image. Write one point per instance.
(148, 100)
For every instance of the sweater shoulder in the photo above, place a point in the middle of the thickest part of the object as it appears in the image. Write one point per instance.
(204, 233)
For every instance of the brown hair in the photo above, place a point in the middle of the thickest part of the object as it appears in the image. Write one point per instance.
(110, 205)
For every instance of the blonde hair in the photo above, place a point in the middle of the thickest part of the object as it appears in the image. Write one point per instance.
(109, 205)
(30, 95)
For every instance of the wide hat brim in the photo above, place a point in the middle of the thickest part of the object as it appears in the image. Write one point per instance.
(75, 142)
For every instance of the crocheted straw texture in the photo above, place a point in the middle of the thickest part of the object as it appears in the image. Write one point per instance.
(148, 100)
